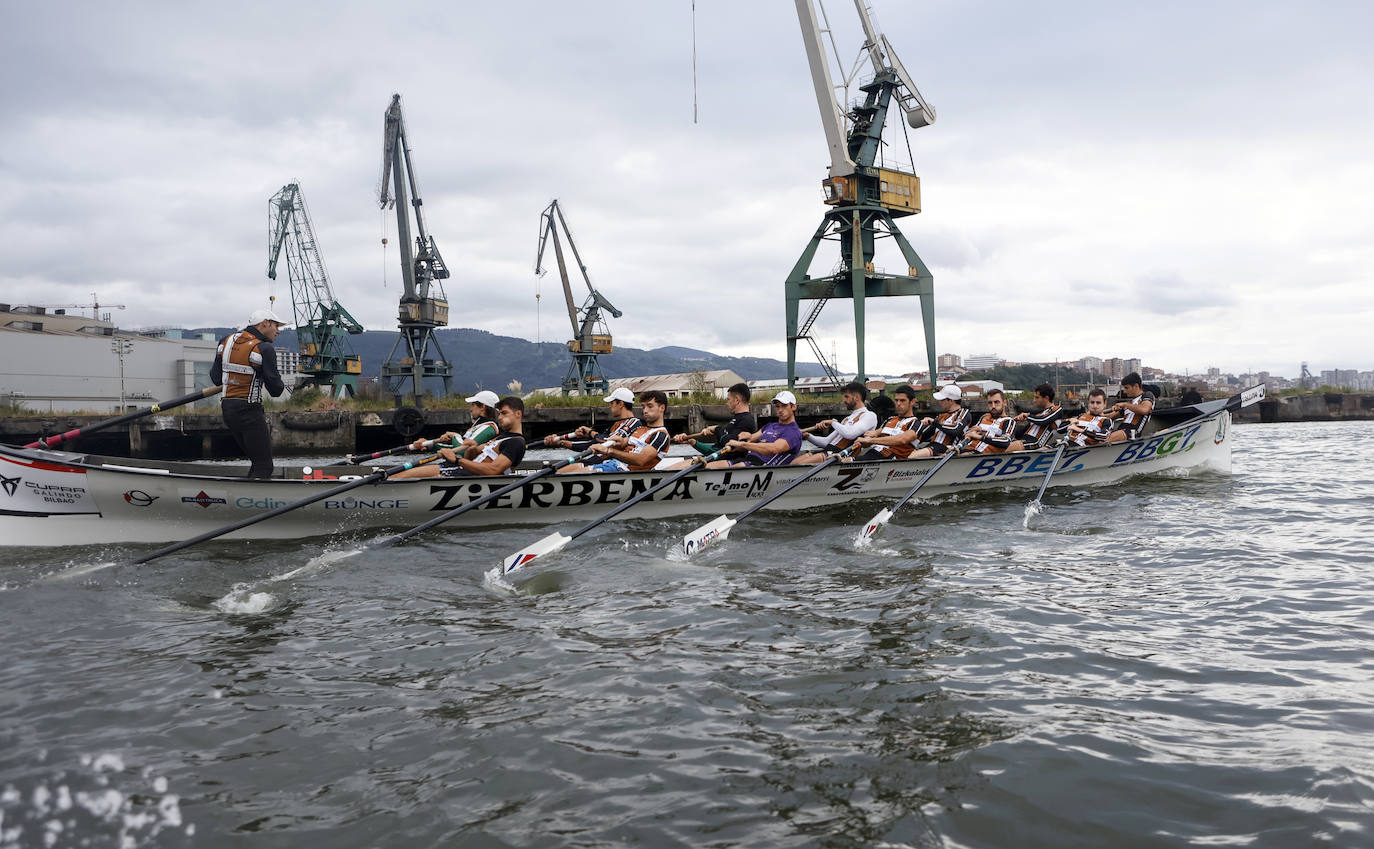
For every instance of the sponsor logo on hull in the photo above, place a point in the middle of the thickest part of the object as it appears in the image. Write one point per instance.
(139, 498)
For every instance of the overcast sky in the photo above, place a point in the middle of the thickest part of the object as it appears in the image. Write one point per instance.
(1188, 183)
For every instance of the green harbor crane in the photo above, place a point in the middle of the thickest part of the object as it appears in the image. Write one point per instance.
(322, 325)
(865, 196)
(421, 269)
(591, 337)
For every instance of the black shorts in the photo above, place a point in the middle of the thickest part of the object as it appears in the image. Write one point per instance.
(453, 470)
(873, 454)
(937, 450)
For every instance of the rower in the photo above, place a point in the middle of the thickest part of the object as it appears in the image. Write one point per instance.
(482, 409)
(741, 421)
(1047, 419)
(483, 429)
(944, 430)
(623, 421)
(1091, 427)
(775, 445)
(896, 438)
(992, 433)
(496, 456)
(843, 432)
(638, 450)
(1133, 412)
(246, 363)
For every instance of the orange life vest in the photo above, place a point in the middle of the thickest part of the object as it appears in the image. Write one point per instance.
(240, 361)
(892, 427)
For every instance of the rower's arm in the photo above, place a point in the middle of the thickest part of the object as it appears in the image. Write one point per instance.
(853, 430)
(495, 466)
(904, 438)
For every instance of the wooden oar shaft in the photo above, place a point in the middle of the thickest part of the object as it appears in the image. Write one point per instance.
(374, 477)
(50, 441)
(1058, 455)
(949, 455)
(399, 449)
(496, 493)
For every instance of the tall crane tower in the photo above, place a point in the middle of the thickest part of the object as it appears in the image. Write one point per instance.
(865, 196)
(591, 337)
(322, 324)
(421, 269)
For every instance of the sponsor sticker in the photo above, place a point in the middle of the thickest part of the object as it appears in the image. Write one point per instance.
(139, 498)
(206, 500)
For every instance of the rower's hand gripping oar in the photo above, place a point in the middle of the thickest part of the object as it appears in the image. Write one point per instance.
(876, 523)
(555, 541)
(50, 441)
(1034, 507)
(471, 505)
(719, 527)
(380, 474)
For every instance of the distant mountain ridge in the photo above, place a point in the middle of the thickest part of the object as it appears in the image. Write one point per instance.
(483, 360)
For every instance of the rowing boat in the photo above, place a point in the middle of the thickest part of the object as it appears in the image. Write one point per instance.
(58, 498)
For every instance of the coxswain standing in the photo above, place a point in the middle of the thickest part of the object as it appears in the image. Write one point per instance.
(1048, 418)
(1132, 413)
(944, 430)
(245, 364)
(843, 432)
(483, 428)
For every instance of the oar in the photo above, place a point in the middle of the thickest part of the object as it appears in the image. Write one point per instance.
(380, 474)
(496, 493)
(50, 441)
(554, 541)
(399, 449)
(1034, 507)
(719, 527)
(885, 514)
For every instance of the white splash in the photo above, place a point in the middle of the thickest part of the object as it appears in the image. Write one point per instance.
(492, 579)
(81, 571)
(1035, 508)
(243, 600)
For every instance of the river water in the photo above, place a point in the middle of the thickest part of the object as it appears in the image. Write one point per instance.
(1184, 661)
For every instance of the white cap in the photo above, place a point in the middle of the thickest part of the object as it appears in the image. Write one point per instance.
(621, 394)
(486, 396)
(259, 316)
(784, 397)
(949, 393)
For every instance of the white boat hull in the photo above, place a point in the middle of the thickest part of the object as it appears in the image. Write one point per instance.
(50, 498)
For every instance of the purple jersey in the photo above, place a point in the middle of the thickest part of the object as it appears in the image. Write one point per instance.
(772, 432)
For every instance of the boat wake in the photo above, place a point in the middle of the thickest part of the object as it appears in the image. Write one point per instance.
(80, 571)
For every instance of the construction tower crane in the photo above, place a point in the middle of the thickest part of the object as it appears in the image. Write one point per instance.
(94, 307)
(322, 324)
(591, 337)
(865, 196)
(421, 269)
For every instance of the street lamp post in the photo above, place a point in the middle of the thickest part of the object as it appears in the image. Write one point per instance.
(121, 347)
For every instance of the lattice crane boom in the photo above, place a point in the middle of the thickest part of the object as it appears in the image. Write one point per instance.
(591, 337)
(322, 324)
(420, 311)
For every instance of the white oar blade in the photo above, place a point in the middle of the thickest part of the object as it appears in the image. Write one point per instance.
(874, 525)
(714, 530)
(522, 558)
